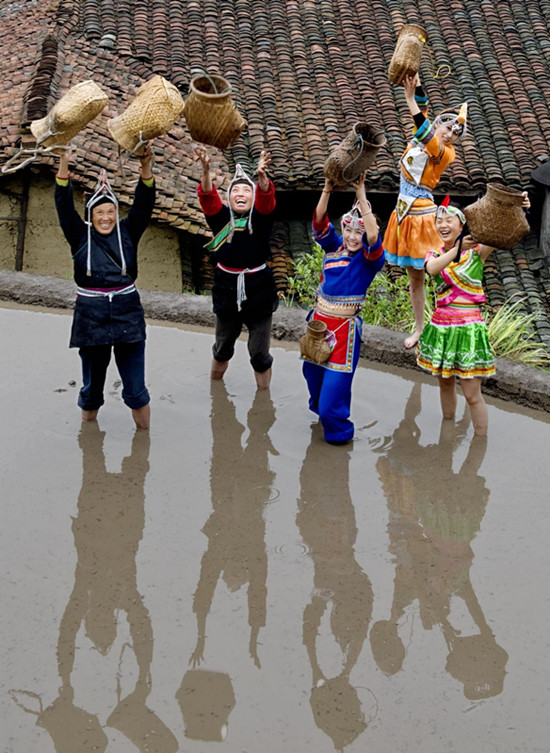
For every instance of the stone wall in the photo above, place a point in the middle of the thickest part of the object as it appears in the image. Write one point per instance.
(47, 252)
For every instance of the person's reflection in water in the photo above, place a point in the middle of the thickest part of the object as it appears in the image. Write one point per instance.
(434, 515)
(107, 532)
(241, 482)
(326, 520)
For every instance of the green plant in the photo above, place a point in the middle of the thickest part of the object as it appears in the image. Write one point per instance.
(388, 303)
(511, 332)
(512, 335)
(307, 273)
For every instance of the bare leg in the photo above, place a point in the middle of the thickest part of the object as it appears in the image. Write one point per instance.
(142, 416)
(263, 379)
(89, 415)
(447, 396)
(218, 369)
(418, 303)
(478, 407)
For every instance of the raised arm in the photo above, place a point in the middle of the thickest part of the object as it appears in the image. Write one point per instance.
(369, 220)
(71, 222)
(265, 195)
(410, 85)
(141, 210)
(202, 155)
(322, 205)
(263, 163)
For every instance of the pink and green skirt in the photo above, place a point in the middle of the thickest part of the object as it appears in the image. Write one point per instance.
(456, 343)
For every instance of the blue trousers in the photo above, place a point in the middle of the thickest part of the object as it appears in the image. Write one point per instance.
(130, 361)
(330, 398)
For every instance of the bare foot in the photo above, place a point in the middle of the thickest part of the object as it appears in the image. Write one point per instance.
(89, 415)
(263, 379)
(410, 342)
(218, 369)
(142, 416)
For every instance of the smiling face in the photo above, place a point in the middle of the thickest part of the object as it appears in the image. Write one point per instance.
(104, 218)
(444, 132)
(353, 238)
(449, 228)
(241, 197)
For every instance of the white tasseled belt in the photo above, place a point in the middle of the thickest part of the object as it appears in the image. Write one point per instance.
(104, 292)
(241, 291)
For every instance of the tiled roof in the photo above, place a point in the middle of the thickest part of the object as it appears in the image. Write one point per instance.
(302, 72)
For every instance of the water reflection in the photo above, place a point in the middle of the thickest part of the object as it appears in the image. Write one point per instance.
(107, 532)
(434, 515)
(326, 519)
(240, 483)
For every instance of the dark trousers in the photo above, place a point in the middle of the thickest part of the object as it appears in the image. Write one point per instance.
(228, 330)
(130, 361)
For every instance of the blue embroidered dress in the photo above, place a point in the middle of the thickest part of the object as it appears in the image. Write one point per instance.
(340, 294)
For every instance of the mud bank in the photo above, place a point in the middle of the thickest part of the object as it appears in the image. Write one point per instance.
(513, 382)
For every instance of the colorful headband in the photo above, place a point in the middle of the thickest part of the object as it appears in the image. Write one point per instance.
(444, 208)
(353, 219)
(458, 122)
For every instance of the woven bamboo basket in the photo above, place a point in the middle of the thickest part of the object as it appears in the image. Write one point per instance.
(408, 53)
(81, 104)
(153, 111)
(497, 219)
(354, 154)
(211, 115)
(313, 344)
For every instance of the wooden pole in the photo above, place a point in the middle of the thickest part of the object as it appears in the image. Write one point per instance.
(22, 225)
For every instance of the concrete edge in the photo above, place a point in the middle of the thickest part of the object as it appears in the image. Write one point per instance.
(513, 382)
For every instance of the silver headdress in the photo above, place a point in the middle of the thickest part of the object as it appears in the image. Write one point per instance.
(457, 121)
(353, 219)
(103, 191)
(240, 177)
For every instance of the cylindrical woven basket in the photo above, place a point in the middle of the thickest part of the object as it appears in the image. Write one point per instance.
(497, 219)
(81, 104)
(313, 344)
(210, 113)
(354, 154)
(408, 53)
(153, 111)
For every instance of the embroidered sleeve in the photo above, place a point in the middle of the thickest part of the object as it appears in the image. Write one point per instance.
(321, 227)
(434, 254)
(328, 238)
(374, 252)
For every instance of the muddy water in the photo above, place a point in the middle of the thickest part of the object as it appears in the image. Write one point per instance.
(230, 582)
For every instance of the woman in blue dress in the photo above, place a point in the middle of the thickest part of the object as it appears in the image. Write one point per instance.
(350, 263)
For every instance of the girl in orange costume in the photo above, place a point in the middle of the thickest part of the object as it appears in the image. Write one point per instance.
(411, 230)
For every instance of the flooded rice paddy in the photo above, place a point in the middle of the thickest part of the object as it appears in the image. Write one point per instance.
(229, 582)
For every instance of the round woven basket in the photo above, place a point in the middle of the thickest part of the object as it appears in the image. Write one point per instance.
(497, 219)
(313, 344)
(408, 53)
(81, 104)
(210, 113)
(153, 111)
(354, 154)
